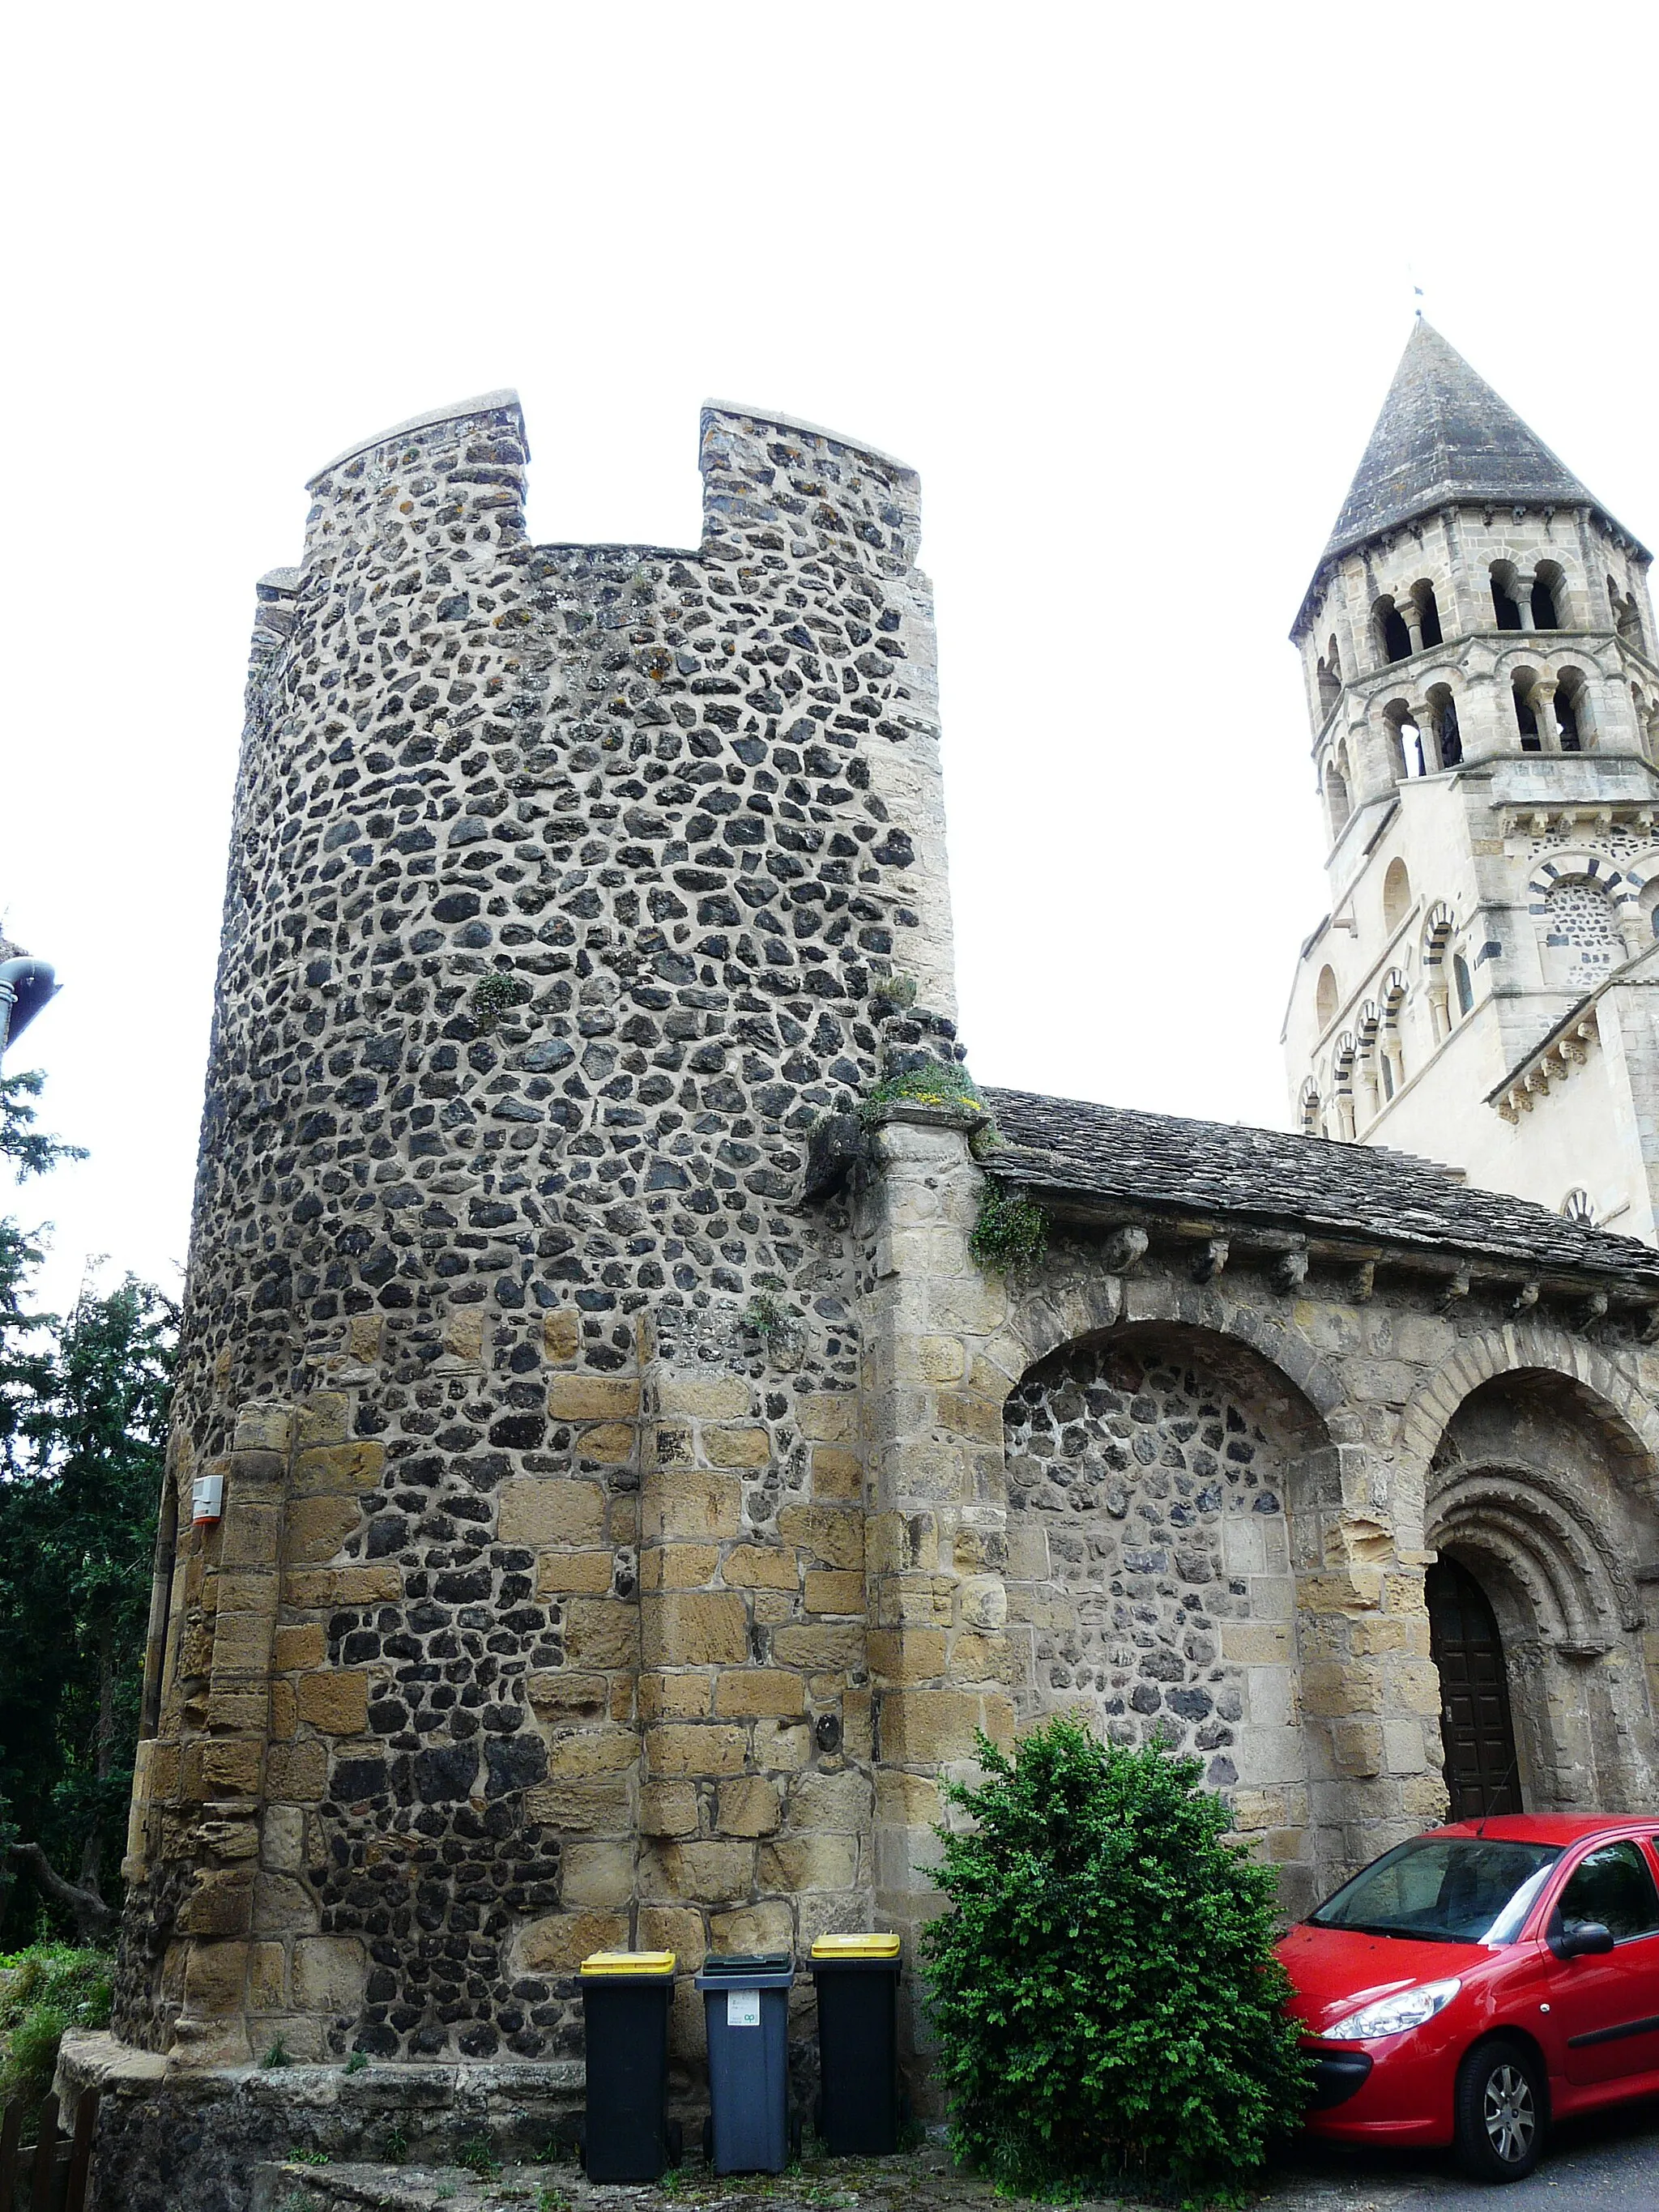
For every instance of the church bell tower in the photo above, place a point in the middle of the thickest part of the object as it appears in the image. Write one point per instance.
(1478, 645)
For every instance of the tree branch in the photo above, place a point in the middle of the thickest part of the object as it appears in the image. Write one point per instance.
(92, 1916)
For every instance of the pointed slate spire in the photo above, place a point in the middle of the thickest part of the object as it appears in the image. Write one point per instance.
(1445, 435)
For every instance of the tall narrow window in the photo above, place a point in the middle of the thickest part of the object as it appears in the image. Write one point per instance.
(1465, 986)
(1428, 608)
(1544, 615)
(1325, 998)
(1575, 711)
(1396, 638)
(1626, 616)
(1396, 895)
(1405, 742)
(1447, 736)
(1336, 800)
(1507, 614)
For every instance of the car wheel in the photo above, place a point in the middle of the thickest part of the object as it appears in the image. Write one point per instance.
(1500, 2116)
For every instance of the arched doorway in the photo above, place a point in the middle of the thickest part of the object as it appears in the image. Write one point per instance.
(1482, 1773)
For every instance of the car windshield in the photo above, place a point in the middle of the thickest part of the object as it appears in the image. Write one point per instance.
(1444, 1889)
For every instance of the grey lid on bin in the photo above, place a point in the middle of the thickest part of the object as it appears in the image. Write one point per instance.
(768, 1970)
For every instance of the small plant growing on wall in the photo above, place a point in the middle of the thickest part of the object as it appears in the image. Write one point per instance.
(1109, 2008)
(767, 1316)
(1011, 1232)
(892, 994)
(928, 1083)
(495, 995)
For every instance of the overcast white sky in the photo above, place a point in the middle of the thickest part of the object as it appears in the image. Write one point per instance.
(1126, 284)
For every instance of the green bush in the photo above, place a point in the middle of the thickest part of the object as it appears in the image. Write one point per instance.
(44, 1990)
(1109, 2006)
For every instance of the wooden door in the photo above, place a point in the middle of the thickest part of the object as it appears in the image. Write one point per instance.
(1482, 1773)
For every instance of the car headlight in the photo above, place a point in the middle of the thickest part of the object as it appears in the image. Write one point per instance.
(1394, 2015)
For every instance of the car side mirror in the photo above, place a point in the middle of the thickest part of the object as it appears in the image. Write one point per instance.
(1585, 1939)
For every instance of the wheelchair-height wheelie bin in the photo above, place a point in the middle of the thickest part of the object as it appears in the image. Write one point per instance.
(626, 1996)
(857, 1980)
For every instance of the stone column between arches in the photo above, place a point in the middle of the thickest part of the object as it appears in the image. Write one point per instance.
(942, 1665)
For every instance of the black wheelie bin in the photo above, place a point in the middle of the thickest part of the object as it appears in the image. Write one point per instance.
(626, 1996)
(857, 1980)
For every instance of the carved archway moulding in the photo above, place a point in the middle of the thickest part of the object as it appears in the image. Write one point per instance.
(1581, 1590)
(1050, 1314)
(1626, 1417)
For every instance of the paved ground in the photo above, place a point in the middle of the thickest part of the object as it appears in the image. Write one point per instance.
(1612, 2162)
(1611, 2166)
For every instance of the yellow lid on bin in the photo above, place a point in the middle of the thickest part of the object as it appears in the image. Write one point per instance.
(629, 1962)
(871, 1946)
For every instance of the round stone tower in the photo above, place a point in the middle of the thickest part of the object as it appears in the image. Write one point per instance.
(510, 1592)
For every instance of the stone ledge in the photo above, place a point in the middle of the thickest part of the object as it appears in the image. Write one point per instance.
(100, 2061)
(193, 2137)
(734, 411)
(968, 1118)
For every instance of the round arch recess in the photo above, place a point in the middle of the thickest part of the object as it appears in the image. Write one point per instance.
(1165, 1464)
(1629, 1421)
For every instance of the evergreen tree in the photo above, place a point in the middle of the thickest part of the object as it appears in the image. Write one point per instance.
(83, 1406)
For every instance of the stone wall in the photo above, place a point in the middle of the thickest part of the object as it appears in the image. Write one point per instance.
(1171, 1599)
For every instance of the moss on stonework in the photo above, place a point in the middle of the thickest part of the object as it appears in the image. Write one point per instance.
(929, 1083)
(769, 1319)
(1011, 1232)
(494, 995)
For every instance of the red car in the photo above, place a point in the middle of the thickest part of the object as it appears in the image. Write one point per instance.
(1482, 1980)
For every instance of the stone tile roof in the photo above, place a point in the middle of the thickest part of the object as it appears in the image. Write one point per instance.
(1322, 1188)
(1444, 435)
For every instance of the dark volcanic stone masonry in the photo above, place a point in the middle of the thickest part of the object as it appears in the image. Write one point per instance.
(1167, 1521)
